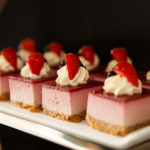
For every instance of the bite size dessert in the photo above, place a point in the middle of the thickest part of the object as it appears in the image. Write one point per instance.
(54, 54)
(121, 106)
(66, 98)
(119, 55)
(9, 65)
(25, 48)
(25, 88)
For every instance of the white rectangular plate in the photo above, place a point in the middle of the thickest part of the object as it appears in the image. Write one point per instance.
(79, 129)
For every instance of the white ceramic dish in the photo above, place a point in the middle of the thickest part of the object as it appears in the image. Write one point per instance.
(79, 129)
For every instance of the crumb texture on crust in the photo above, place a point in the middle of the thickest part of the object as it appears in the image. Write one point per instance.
(31, 108)
(4, 96)
(113, 129)
(76, 118)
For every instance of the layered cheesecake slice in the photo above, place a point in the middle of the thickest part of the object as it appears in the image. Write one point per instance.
(25, 89)
(120, 107)
(66, 98)
(9, 65)
(54, 55)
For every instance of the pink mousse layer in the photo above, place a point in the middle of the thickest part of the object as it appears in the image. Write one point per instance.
(67, 100)
(122, 111)
(4, 86)
(26, 91)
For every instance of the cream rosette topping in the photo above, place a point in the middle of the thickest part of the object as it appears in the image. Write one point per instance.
(54, 54)
(89, 58)
(148, 75)
(35, 67)
(123, 81)
(119, 55)
(9, 61)
(72, 74)
(26, 47)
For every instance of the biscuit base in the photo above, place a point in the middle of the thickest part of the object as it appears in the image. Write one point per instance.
(113, 129)
(76, 118)
(31, 108)
(4, 96)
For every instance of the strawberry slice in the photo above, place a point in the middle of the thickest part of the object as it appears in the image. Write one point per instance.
(11, 56)
(119, 54)
(127, 70)
(36, 62)
(88, 53)
(73, 64)
(28, 44)
(55, 47)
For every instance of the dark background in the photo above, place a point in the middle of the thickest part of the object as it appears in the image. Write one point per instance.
(102, 23)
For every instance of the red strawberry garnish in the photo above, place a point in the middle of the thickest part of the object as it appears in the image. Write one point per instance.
(28, 45)
(73, 64)
(127, 70)
(55, 47)
(119, 54)
(10, 55)
(36, 62)
(88, 53)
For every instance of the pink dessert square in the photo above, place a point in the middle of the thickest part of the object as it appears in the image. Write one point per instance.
(99, 74)
(4, 86)
(118, 115)
(27, 92)
(66, 102)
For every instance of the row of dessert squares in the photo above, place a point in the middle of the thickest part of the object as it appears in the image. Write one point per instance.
(114, 99)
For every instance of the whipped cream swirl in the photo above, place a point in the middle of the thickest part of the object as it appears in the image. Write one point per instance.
(121, 86)
(113, 63)
(53, 59)
(27, 73)
(88, 65)
(148, 75)
(5, 66)
(80, 78)
(23, 54)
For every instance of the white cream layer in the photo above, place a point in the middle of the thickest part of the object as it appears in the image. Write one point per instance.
(88, 65)
(5, 66)
(53, 59)
(27, 73)
(80, 78)
(121, 86)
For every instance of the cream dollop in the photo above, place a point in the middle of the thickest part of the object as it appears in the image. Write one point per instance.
(88, 65)
(23, 54)
(53, 59)
(121, 86)
(113, 63)
(80, 78)
(5, 66)
(148, 75)
(27, 73)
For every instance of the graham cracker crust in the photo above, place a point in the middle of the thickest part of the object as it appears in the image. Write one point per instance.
(113, 129)
(76, 118)
(31, 108)
(4, 97)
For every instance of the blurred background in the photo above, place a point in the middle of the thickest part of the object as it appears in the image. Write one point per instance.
(104, 24)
